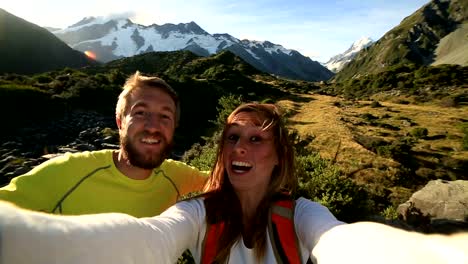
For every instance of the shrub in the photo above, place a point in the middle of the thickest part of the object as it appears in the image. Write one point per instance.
(375, 104)
(323, 182)
(40, 104)
(465, 141)
(419, 132)
(226, 104)
(203, 157)
(390, 213)
(43, 78)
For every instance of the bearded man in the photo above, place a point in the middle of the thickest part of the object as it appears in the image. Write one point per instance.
(137, 179)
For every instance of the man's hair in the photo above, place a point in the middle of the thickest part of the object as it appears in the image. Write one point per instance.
(137, 81)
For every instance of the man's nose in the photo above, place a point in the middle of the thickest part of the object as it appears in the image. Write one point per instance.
(152, 123)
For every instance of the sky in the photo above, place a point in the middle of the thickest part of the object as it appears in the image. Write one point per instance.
(318, 29)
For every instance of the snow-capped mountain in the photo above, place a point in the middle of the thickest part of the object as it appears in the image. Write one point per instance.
(111, 39)
(337, 62)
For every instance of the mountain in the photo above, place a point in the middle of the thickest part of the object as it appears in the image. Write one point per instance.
(26, 48)
(111, 39)
(435, 32)
(337, 62)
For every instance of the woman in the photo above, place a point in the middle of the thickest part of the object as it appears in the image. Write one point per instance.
(253, 174)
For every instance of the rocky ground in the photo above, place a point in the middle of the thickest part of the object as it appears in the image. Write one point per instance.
(37, 142)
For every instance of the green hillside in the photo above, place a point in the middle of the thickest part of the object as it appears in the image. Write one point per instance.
(413, 41)
(200, 82)
(26, 48)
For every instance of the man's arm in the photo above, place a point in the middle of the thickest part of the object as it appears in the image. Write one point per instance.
(40, 188)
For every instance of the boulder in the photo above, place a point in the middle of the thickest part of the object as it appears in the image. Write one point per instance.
(442, 204)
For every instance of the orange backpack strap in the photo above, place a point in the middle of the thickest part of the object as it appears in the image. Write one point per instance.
(282, 232)
(210, 243)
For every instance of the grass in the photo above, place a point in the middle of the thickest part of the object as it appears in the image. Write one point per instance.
(335, 122)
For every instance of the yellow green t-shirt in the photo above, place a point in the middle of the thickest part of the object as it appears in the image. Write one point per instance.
(89, 182)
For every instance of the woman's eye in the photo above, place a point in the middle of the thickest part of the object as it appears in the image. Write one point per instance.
(139, 113)
(232, 138)
(255, 139)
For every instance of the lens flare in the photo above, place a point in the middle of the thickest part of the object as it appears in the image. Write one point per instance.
(90, 54)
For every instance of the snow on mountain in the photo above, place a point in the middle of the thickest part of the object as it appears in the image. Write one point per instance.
(111, 39)
(337, 62)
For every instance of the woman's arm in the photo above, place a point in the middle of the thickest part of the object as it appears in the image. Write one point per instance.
(33, 237)
(368, 243)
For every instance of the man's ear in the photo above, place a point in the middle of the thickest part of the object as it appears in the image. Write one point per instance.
(118, 122)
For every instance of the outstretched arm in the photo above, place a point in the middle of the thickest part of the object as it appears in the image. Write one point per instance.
(368, 243)
(32, 237)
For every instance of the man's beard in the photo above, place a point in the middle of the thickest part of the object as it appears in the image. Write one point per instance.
(143, 160)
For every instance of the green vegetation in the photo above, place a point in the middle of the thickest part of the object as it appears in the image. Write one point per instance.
(464, 129)
(419, 132)
(200, 83)
(36, 105)
(413, 41)
(426, 83)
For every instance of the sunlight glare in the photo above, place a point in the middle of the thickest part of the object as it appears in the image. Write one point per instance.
(90, 54)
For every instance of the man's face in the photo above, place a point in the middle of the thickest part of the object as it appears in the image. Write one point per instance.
(147, 127)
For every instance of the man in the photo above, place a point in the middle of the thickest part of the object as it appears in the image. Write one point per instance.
(136, 179)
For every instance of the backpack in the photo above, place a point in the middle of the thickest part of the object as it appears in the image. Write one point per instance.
(280, 230)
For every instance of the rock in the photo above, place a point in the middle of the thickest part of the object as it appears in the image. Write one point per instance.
(6, 160)
(440, 203)
(67, 149)
(21, 170)
(85, 147)
(110, 146)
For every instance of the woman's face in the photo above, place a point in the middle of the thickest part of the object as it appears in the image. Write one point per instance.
(249, 153)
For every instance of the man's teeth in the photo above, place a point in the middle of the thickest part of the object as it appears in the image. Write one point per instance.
(150, 140)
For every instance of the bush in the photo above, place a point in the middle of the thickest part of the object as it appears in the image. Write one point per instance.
(419, 132)
(390, 213)
(323, 182)
(226, 104)
(375, 104)
(39, 103)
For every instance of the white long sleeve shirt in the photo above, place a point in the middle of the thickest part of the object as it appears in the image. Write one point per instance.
(31, 237)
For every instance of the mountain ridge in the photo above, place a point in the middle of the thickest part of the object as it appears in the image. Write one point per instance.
(26, 48)
(337, 62)
(413, 41)
(111, 39)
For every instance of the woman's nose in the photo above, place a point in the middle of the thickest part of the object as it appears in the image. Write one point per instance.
(240, 147)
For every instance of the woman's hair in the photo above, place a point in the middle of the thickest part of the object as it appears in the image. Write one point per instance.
(221, 202)
(138, 80)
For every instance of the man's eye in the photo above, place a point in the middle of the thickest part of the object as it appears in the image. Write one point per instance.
(166, 116)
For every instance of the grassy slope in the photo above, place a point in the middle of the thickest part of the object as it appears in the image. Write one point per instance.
(335, 122)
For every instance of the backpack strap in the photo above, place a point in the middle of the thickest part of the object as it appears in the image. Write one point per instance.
(210, 243)
(282, 232)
